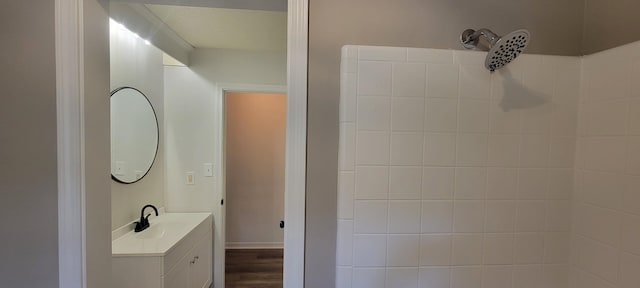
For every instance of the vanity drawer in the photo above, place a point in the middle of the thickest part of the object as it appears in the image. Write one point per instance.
(193, 270)
(187, 243)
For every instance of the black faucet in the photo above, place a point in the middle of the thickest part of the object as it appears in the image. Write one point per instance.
(144, 221)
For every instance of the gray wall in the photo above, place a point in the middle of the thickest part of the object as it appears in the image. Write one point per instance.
(556, 27)
(28, 152)
(28, 165)
(97, 143)
(609, 24)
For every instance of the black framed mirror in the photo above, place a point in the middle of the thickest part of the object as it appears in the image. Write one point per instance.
(135, 135)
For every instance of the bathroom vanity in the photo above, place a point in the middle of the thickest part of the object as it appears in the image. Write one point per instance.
(174, 252)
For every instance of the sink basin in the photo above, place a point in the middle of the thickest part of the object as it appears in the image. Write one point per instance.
(153, 232)
(164, 232)
(159, 230)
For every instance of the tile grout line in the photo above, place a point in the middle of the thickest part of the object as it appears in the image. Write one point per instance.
(355, 160)
(390, 111)
(422, 170)
(455, 172)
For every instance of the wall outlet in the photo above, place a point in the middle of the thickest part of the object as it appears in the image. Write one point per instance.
(208, 170)
(190, 178)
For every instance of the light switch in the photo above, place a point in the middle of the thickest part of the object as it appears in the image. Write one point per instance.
(208, 170)
(190, 179)
(119, 168)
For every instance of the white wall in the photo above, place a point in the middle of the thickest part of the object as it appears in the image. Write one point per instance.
(452, 176)
(193, 117)
(606, 221)
(190, 123)
(254, 155)
(138, 65)
(235, 66)
(28, 173)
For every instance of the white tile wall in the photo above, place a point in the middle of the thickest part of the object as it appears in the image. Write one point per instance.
(401, 251)
(455, 177)
(405, 183)
(606, 221)
(434, 277)
(404, 217)
(527, 276)
(402, 277)
(500, 276)
(466, 277)
(466, 249)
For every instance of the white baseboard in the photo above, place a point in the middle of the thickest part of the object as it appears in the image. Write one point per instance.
(254, 245)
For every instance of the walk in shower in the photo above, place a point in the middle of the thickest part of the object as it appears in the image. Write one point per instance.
(451, 175)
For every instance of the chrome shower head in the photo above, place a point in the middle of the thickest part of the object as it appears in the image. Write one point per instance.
(502, 50)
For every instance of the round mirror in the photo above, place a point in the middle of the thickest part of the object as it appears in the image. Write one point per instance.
(134, 135)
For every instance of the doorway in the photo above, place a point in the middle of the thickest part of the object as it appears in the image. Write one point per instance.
(255, 146)
(82, 61)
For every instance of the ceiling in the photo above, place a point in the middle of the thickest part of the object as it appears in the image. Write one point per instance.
(241, 29)
(269, 5)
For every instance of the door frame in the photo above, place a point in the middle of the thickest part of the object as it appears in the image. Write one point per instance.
(75, 229)
(71, 192)
(219, 247)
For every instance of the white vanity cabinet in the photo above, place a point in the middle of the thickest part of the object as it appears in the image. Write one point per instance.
(175, 252)
(200, 270)
(193, 270)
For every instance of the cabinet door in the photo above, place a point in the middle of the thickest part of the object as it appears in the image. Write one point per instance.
(200, 270)
(178, 277)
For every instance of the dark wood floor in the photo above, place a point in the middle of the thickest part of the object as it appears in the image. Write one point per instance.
(253, 268)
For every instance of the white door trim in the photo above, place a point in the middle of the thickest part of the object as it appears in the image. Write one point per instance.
(220, 215)
(71, 169)
(70, 127)
(296, 154)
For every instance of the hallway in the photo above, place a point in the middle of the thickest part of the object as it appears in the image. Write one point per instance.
(254, 268)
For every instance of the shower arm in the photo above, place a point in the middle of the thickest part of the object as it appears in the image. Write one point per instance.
(470, 37)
